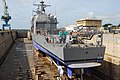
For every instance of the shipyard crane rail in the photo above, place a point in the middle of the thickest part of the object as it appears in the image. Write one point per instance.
(6, 16)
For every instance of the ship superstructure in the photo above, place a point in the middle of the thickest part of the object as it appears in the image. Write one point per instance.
(65, 48)
(42, 21)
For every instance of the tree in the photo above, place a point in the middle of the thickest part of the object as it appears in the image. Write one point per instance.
(118, 25)
(106, 26)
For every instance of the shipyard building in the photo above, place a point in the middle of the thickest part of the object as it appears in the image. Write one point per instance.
(89, 22)
(85, 24)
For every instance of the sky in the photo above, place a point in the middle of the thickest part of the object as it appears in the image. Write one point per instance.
(67, 11)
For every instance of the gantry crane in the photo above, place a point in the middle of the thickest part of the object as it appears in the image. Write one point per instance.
(6, 16)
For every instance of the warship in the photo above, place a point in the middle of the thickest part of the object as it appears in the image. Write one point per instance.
(65, 48)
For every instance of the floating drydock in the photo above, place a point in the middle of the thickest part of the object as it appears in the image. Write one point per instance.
(69, 49)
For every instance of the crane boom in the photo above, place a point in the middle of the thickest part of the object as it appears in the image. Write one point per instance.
(5, 7)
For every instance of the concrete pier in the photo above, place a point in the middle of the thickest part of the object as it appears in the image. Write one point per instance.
(110, 68)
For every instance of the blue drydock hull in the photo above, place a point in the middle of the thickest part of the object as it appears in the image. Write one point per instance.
(39, 47)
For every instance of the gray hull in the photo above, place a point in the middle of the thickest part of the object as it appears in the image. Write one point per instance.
(71, 54)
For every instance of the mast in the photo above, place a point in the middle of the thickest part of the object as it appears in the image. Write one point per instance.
(42, 5)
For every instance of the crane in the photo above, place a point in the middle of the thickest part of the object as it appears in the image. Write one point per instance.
(6, 16)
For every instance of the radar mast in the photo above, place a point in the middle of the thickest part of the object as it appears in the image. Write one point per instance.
(42, 5)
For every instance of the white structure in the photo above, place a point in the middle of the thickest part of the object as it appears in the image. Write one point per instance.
(70, 27)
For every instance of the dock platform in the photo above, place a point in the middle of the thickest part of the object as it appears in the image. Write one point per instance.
(19, 62)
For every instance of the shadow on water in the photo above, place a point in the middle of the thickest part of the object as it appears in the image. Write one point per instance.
(107, 71)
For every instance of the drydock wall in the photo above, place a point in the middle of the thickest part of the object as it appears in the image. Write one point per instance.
(21, 33)
(6, 40)
(111, 65)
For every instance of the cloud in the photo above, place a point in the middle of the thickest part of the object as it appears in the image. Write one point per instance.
(118, 15)
(109, 19)
(102, 17)
(91, 13)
